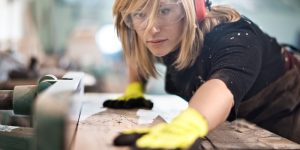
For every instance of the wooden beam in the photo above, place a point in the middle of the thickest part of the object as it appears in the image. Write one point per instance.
(99, 130)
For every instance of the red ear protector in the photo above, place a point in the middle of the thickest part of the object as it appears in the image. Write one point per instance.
(200, 8)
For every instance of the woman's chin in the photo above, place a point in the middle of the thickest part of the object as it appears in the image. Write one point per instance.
(159, 53)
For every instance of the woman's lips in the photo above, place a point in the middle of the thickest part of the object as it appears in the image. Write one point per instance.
(156, 41)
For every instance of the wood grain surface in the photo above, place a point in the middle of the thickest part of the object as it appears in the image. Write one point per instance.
(98, 131)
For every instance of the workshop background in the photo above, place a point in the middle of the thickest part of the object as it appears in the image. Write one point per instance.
(39, 37)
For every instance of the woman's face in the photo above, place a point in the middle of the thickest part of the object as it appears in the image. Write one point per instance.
(164, 34)
(161, 40)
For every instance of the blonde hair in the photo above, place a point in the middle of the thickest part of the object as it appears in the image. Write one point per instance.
(136, 53)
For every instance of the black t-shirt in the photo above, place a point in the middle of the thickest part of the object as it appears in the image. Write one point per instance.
(238, 53)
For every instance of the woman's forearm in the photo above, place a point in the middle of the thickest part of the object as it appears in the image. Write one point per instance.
(214, 101)
(134, 76)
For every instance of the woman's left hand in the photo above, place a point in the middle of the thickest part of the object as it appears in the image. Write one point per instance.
(184, 131)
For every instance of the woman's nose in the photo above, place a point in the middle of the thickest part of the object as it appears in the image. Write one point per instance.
(155, 29)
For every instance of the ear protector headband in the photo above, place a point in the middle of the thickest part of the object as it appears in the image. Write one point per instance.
(200, 8)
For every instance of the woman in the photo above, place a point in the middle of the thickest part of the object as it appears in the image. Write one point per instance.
(218, 61)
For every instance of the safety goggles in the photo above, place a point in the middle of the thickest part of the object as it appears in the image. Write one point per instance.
(169, 12)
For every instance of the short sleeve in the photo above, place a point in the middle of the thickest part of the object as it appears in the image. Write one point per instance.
(236, 59)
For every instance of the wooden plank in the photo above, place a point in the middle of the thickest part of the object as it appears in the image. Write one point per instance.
(99, 130)
(241, 134)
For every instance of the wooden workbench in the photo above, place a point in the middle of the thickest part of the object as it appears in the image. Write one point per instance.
(98, 127)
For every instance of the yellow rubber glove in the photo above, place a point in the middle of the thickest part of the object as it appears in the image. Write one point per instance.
(133, 98)
(184, 131)
(133, 90)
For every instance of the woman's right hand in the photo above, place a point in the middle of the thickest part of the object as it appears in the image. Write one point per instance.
(133, 98)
